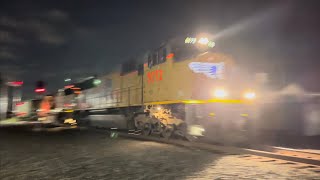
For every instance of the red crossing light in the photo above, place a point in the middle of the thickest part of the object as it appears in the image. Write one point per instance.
(69, 86)
(40, 90)
(15, 83)
(19, 103)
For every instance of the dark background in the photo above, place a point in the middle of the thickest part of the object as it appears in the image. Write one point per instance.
(53, 40)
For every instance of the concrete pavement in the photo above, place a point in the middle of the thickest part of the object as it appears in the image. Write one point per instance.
(92, 155)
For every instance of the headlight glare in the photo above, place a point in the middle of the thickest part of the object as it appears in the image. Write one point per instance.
(250, 95)
(220, 93)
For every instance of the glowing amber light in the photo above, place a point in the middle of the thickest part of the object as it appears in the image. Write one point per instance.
(169, 56)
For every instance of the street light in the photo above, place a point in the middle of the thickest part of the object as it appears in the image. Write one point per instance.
(97, 82)
(67, 80)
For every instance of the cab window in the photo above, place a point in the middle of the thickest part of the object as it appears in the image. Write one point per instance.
(157, 57)
(185, 51)
(149, 60)
(162, 55)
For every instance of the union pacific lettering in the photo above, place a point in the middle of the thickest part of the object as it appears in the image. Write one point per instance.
(154, 76)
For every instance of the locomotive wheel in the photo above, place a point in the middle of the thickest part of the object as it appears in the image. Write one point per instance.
(181, 130)
(146, 129)
(139, 126)
(167, 132)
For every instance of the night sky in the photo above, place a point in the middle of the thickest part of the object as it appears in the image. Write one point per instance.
(50, 41)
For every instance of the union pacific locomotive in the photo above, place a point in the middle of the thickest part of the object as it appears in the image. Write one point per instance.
(182, 88)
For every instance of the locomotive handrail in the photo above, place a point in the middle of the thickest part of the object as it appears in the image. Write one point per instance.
(117, 100)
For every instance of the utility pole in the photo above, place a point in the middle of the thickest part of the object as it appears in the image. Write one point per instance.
(1, 99)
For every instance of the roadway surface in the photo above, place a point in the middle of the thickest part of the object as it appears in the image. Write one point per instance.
(83, 154)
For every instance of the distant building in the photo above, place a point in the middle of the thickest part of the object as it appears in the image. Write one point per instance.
(3, 97)
(9, 95)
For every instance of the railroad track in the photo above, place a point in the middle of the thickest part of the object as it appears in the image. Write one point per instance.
(267, 154)
(290, 157)
(277, 161)
(311, 154)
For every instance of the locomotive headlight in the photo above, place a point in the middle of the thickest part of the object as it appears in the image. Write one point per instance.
(250, 95)
(203, 41)
(220, 93)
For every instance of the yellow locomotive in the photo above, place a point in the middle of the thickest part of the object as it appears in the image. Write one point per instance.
(182, 84)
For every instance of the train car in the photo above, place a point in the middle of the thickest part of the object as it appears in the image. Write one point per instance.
(3, 100)
(10, 93)
(183, 87)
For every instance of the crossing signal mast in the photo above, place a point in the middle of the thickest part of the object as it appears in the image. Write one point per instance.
(40, 87)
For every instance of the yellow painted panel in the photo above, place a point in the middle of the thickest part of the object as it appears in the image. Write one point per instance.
(176, 84)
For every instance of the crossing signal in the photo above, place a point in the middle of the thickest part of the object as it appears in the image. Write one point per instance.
(40, 87)
(15, 83)
(40, 90)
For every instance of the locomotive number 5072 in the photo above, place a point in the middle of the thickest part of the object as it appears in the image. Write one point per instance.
(154, 76)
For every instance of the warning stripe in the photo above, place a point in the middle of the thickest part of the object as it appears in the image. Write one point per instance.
(208, 101)
(226, 101)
